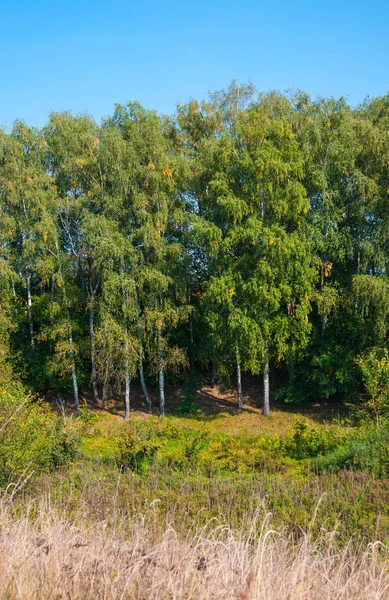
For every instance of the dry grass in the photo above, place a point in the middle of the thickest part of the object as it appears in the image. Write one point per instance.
(44, 555)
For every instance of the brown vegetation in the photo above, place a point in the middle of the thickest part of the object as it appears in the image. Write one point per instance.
(44, 555)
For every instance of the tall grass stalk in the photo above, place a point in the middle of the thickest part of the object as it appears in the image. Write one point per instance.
(46, 554)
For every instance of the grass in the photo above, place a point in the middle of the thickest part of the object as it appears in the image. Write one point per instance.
(46, 554)
(219, 504)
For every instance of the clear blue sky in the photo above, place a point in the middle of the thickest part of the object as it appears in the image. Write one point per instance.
(86, 55)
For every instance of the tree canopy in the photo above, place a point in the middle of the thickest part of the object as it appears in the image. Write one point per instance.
(245, 233)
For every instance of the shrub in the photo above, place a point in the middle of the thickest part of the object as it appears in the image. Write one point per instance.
(33, 440)
(87, 416)
(374, 368)
(364, 449)
(308, 443)
(136, 449)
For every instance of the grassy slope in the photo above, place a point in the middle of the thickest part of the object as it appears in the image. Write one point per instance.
(218, 413)
(217, 509)
(226, 463)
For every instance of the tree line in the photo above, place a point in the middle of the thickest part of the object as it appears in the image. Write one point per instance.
(243, 233)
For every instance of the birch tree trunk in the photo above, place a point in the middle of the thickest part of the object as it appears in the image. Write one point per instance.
(73, 363)
(161, 376)
(127, 389)
(29, 306)
(266, 391)
(239, 377)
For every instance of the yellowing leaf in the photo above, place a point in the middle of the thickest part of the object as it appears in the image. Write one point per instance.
(327, 269)
(167, 172)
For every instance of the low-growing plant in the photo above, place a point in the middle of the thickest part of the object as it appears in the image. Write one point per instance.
(195, 444)
(33, 439)
(308, 443)
(374, 367)
(365, 449)
(136, 449)
(86, 415)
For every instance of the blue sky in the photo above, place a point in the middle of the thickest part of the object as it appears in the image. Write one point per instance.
(87, 55)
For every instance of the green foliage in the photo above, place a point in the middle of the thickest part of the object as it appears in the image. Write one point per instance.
(136, 449)
(33, 439)
(199, 475)
(241, 231)
(188, 405)
(374, 367)
(309, 443)
(365, 449)
(86, 415)
(194, 444)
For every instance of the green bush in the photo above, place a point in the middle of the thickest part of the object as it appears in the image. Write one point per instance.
(87, 416)
(136, 449)
(308, 443)
(365, 449)
(33, 440)
(374, 368)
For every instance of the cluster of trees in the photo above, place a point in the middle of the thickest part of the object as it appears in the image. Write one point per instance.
(242, 232)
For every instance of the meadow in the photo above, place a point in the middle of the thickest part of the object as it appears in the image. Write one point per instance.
(217, 502)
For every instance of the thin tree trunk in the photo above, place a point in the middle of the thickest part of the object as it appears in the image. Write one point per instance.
(127, 396)
(161, 376)
(29, 306)
(93, 351)
(127, 389)
(266, 392)
(73, 363)
(239, 377)
(161, 381)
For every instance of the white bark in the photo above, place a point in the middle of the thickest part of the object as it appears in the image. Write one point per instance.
(73, 363)
(161, 381)
(161, 376)
(29, 306)
(127, 389)
(266, 390)
(239, 377)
